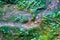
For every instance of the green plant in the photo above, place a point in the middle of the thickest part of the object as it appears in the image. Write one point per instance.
(14, 18)
(32, 6)
(11, 32)
(50, 23)
(1, 3)
(47, 30)
(18, 18)
(1, 12)
(10, 1)
(24, 19)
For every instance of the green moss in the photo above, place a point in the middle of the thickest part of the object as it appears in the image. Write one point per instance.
(24, 19)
